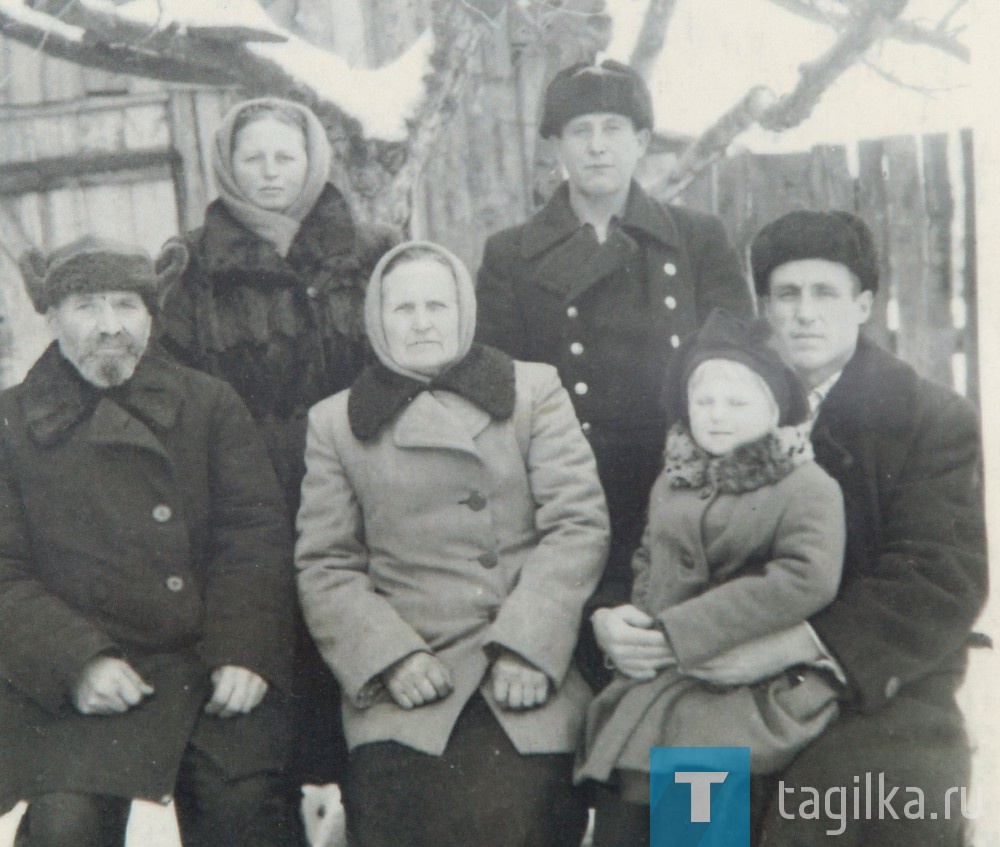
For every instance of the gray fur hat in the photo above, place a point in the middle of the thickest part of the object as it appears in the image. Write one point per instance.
(91, 264)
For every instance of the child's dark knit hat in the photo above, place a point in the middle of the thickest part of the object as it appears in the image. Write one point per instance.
(586, 88)
(725, 336)
(91, 264)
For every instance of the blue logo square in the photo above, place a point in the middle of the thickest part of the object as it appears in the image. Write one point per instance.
(699, 796)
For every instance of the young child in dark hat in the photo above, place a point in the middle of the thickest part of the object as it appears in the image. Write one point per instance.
(745, 537)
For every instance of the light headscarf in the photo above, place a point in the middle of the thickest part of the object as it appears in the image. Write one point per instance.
(465, 294)
(278, 228)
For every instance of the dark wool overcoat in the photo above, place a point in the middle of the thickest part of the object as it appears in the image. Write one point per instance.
(906, 453)
(144, 522)
(285, 332)
(609, 317)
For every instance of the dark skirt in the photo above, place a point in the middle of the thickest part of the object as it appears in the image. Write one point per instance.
(479, 793)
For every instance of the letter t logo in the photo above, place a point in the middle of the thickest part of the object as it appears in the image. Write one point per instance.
(701, 791)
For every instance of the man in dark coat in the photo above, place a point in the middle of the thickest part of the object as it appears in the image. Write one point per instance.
(604, 283)
(906, 453)
(146, 587)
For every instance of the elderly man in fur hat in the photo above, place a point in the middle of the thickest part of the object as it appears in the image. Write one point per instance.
(906, 453)
(604, 283)
(146, 587)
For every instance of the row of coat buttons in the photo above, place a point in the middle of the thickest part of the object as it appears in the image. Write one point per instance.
(161, 514)
(576, 348)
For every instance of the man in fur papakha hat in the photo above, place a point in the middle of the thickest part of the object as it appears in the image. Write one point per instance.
(906, 453)
(146, 587)
(605, 283)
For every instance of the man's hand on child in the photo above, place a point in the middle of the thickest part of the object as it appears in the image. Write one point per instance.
(109, 686)
(417, 679)
(237, 691)
(631, 641)
(517, 684)
(760, 659)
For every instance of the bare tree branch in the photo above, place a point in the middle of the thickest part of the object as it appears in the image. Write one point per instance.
(909, 32)
(652, 36)
(713, 142)
(871, 22)
(457, 37)
(868, 26)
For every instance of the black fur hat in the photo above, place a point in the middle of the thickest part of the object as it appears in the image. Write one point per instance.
(834, 236)
(725, 336)
(91, 264)
(585, 88)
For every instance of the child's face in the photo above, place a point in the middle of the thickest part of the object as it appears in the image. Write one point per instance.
(728, 405)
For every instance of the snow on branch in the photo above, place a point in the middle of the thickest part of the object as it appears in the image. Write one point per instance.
(222, 43)
(66, 40)
(384, 100)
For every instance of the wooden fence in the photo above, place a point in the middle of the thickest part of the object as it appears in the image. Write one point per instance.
(918, 197)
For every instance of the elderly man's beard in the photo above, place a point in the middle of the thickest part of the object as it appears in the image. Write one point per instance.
(111, 361)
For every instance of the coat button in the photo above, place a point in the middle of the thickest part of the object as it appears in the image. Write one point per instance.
(581, 388)
(670, 269)
(576, 348)
(572, 312)
(586, 427)
(706, 492)
(675, 341)
(488, 560)
(687, 561)
(892, 687)
(162, 513)
(175, 583)
(492, 614)
(475, 501)
(670, 303)
(312, 292)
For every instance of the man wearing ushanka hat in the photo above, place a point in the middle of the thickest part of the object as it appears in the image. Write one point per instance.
(605, 283)
(906, 453)
(146, 589)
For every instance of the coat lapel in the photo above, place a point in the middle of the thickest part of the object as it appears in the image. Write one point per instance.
(111, 425)
(56, 401)
(571, 261)
(428, 423)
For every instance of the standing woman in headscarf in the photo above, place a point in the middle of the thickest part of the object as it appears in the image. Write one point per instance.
(271, 301)
(452, 527)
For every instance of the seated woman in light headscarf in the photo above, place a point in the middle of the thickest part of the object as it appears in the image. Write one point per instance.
(452, 527)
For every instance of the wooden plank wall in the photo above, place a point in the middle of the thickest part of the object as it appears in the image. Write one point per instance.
(85, 151)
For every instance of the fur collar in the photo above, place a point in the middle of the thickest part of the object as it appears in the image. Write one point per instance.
(56, 398)
(326, 240)
(484, 377)
(747, 468)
